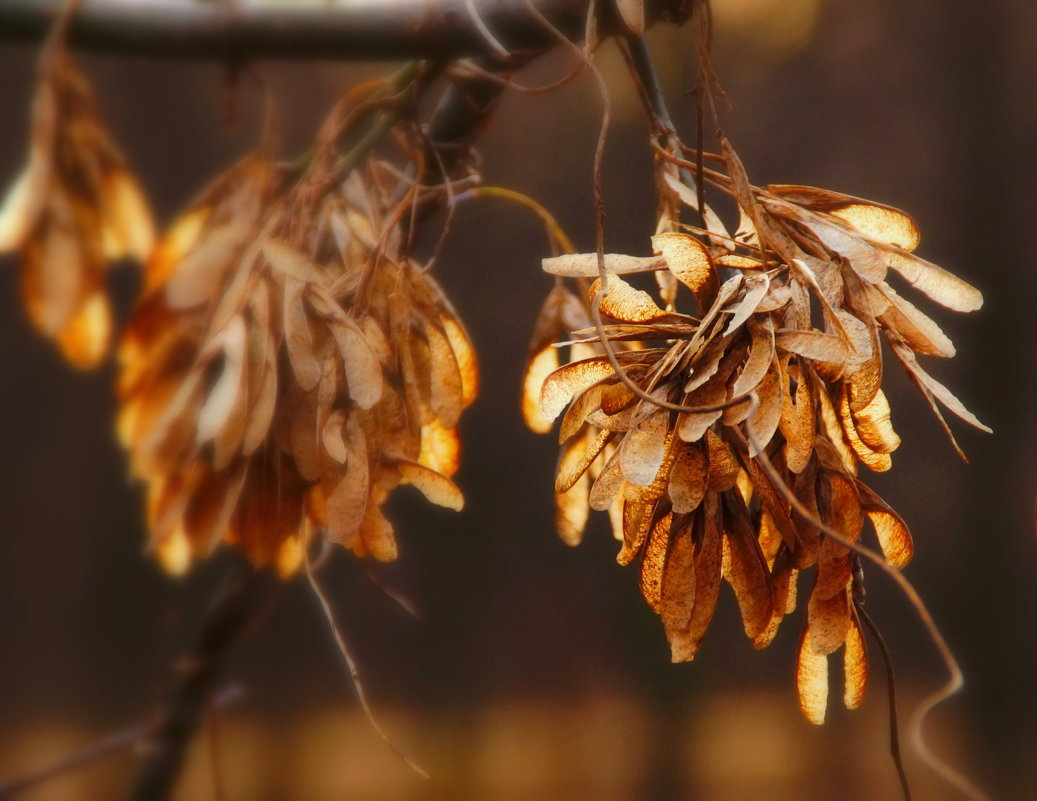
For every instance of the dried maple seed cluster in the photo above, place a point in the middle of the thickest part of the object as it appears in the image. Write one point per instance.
(784, 361)
(288, 367)
(74, 209)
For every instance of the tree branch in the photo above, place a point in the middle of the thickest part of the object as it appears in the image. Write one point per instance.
(228, 616)
(352, 30)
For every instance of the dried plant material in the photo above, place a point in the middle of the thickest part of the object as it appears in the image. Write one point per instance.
(560, 314)
(75, 208)
(938, 390)
(943, 287)
(690, 262)
(746, 569)
(688, 476)
(919, 332)
(878, 223)
(644, 449)
(812, 682)
(765, 405)
(625, 303)
(814, 345)
(892, 532)
(288, 368)
(855, 666)
(560, 387)
(540, 366)
(585, 265)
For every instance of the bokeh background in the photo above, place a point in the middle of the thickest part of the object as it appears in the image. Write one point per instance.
(537, 672)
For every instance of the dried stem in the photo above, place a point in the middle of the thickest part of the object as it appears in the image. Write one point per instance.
(354, 674)
(891, 690)
(228, 616)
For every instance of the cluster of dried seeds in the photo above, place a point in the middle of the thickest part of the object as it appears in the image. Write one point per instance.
(74, 209)
(288, 367)
(673, 428)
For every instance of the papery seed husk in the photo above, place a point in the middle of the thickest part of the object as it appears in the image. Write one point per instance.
(797, 424)
(578, 456)
(812, 682)
(346, 504)
(624, 302)
(708, 556)
(688, 474)
(446, 384)
(756, 286)
(892, 532)
(585, 265)
(828, 621)
(690, 262)
(723, 467)
(761, 354)
(569, 380)
(677, 597)
(644, 448)
(855, 665)
(231, 384)
(747, 569)
(653, 561)
(944, 395)
(635, 521)
(942, 286)
(764, 422)
(436, 487)
(572, 509)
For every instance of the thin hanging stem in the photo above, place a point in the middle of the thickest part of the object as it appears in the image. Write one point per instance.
(354, 674)
(891, 690)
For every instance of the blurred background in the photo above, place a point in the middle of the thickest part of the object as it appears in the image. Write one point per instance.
(537, 671)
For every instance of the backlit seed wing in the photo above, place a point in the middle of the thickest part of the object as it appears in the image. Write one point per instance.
(567, 381)
(624, 302)
(855, 666)
(585, 265)
(943, 287)
(690, 263)
(644, 448)
(677, 598)
(812, 682)
(436, 487)
(688, 473)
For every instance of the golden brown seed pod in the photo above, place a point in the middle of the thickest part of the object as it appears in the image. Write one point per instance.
(75, 208)
(783, 361)
(286, 371)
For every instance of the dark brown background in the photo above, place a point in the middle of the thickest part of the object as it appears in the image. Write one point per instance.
(538, 672)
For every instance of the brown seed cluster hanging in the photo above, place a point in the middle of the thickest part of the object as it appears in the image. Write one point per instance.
(785, 355)
(289, 366)
(75, 208)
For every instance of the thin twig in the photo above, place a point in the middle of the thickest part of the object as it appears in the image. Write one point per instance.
(357, 30)
(891, 691)
(227, 618)
(354, 674)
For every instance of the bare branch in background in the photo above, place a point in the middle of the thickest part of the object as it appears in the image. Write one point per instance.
(304, 29)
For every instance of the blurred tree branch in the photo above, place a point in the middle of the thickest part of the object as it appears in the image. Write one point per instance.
(351, 30)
